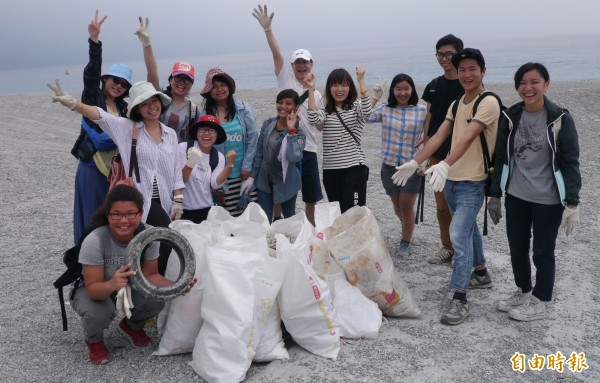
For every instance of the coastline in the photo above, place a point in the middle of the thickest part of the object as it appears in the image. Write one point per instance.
(37, 188)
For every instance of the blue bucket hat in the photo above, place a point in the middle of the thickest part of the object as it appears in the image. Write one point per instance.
(121, 71)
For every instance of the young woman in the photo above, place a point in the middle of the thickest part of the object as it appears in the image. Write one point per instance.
(345, 172)
(239, 122)
(181, 112)
(161, 182)
(103, 257)
(94, 148)
(201, 173)
(278, 155)
(537, 169)
(402, 120)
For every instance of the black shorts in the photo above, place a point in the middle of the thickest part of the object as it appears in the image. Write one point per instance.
(412, 186)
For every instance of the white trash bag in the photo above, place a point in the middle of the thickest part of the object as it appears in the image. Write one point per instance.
(359, 317)
(358, 247)
(322, 261)
(306, 304)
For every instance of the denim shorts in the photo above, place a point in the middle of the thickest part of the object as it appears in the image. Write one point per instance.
(311, 183)
(412, 185)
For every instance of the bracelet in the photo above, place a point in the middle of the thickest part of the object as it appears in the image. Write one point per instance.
(230, 166)
(364, 93)
(178, 198)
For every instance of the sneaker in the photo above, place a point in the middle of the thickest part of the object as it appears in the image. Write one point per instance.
(456, 313)
(532, 310)
(404, 249)
(442, 256)
(483, 282)
(516, 300)
(98, 352)
(138, 338)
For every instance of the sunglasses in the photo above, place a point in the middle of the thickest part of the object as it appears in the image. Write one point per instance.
(183, 78)
(119, 81)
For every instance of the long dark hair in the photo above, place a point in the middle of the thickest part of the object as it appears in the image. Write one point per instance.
(414, 97)
(339, 76)
(211, 106)
(119, 193)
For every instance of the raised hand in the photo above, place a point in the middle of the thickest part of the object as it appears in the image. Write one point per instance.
(95, 26)
(378, 89)
(142, 31)
(309, 81)
(292, 119)
(61, 96)
(263, 17)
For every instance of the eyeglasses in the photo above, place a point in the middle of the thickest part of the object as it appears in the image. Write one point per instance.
(445, 55)
(212, 131)
(119, 216)
(183, 78)
(119, 81)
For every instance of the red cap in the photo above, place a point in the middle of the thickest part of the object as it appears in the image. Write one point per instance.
(182, 67)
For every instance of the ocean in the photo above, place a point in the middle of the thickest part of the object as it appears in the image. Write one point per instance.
(574, 57)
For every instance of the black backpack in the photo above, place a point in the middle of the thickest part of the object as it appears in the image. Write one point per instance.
(488, 161)
(74, 272)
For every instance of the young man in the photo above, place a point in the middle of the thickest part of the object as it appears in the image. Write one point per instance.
(439, 94)
(465, 173)
(292, 77)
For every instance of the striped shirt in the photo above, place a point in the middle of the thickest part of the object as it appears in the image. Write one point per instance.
(154, 160)
(340, 150)
(401, 127)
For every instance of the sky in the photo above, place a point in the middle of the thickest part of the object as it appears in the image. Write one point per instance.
(48, 33)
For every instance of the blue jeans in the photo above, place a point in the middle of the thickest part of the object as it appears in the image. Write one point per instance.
(265, 200)
(465, 199)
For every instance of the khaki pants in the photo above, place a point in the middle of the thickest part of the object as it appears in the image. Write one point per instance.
(443, 213)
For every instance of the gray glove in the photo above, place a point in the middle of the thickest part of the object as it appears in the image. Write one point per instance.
(61, 96)
(494, 210)
(378, 89)
(247, 185)
(570, 218)
(177, 208)
(263, 17)
(142, 32)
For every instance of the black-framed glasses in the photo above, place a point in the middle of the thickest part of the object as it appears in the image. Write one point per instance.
(183, 78)
(119, 216)
(444, 55)
(120, 81)
(203, 130)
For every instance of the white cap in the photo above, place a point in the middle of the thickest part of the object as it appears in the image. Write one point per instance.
(301, 54)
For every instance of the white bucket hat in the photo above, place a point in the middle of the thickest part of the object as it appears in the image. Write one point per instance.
(143, 90)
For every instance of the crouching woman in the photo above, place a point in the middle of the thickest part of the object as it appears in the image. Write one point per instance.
(103, 257)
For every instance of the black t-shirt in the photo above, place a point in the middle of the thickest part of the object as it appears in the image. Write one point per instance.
(440, 93)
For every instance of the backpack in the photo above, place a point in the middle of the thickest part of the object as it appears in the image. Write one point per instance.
(488, 161)
(74, 272)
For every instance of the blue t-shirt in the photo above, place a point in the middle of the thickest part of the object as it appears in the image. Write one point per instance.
(235, 141)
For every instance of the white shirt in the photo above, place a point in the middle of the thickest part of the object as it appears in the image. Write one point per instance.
(287, 80)
(154, 160)
(197, 193)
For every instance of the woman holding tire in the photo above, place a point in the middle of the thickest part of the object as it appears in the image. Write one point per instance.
(106, 270)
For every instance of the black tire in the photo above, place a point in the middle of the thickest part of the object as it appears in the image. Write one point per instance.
(186, 258)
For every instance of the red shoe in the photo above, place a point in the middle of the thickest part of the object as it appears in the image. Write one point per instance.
(99, 354)
(138, 338)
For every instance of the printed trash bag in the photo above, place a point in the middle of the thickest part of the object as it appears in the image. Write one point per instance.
(223, 348)
(268, 344)
(358, 247)
(297, 230)
(180, 321)
(322, 262)
(306, 304)
(359, 317)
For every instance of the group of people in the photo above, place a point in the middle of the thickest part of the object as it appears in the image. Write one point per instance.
(191, 157)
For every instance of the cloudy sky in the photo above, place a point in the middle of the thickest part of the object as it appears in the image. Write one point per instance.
(47, 33)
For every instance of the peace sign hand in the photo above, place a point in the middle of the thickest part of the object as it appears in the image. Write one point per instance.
(95, 26)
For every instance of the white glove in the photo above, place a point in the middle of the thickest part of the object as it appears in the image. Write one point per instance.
(378, 89)
(404, 172)
(177, 208)
(194, 155)
(263, 17)
(124, 301)
(247, 185)
(439, 173)
(61, 96)
(142, 32)
(570, 218)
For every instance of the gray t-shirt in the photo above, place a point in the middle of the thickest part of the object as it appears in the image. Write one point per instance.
(101, 248)
(532, 179)
(178, 119)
